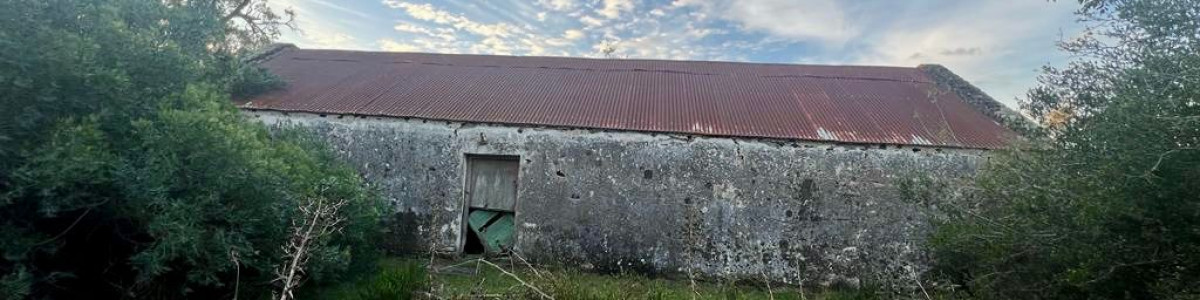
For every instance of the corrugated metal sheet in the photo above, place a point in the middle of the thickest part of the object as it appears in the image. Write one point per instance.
(854, 104)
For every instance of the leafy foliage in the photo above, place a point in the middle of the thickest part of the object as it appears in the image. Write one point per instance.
(1107, 209)
(131, 174)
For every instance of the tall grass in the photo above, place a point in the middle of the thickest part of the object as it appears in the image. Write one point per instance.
(394, 280)
(408, 279)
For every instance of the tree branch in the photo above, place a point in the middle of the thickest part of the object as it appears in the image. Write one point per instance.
(237, 11)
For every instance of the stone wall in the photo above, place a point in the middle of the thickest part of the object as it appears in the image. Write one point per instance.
(972, 95)
(796, 212)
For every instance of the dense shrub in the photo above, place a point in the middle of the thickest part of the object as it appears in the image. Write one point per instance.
(1108, 205)
(125, 169)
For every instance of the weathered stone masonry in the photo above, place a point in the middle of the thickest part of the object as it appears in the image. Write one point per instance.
(797, 212)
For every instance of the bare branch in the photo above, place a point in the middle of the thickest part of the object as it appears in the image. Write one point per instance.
(319, 218)
(514, 276)
(237, 11)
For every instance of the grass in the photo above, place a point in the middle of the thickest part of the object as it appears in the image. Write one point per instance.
(394, 279)
(401, 278)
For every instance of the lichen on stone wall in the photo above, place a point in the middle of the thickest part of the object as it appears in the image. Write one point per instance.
(795, 212)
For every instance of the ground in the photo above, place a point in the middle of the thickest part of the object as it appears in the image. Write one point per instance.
(511, 278)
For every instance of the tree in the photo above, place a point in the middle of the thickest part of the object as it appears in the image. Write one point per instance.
(1107, 207)
(1120, 35)
(251, 23)
(126, 171)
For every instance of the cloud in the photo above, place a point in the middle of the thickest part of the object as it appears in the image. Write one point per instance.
(441, 33)
(612, 9)
(388, 45)
(322, 39)
(822, 20)
(996, 45)
(427, 12)
(558, 5)
(457, 33)
(573, 34)
(591, 22)
(961, 51)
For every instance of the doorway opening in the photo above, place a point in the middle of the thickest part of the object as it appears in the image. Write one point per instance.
(491, 198)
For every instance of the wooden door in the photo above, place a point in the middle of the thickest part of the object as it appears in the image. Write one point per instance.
(491, 203)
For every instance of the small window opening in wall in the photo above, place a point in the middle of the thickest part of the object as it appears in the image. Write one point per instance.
(648, 174)
(806, 189)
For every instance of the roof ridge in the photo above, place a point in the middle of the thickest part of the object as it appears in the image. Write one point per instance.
(668, 71)
(621, 59)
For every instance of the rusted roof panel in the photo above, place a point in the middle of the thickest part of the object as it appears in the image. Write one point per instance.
(853, 104)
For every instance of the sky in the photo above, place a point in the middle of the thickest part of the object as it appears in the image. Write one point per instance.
(999, 45)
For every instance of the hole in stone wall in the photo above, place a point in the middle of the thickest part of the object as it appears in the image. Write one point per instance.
(560, 174)
(788, 213)
(916, 149)
(648, 174)
(574, 196)
(806, 189)
(687, 200)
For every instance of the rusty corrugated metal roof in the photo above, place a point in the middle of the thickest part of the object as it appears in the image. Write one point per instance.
(853, 104)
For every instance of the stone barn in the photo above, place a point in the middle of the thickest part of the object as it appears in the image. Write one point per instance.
(692, 168)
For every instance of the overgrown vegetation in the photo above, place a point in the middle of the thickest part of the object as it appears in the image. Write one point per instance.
(125, 169)
(1109, 205)
(472, 279)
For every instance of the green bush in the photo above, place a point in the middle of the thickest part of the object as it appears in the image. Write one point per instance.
(1107, 206)
(126, 170)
